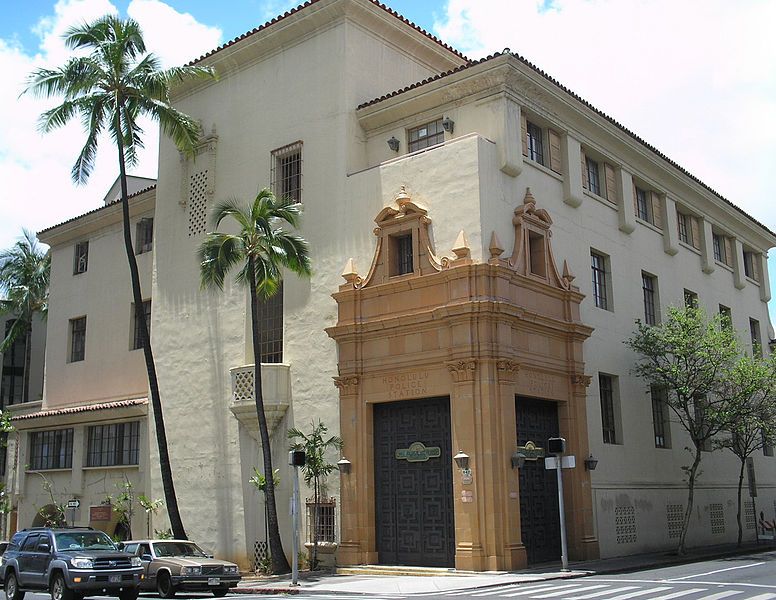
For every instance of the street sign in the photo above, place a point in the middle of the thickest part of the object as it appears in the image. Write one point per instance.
(566, 462)
(74, 503)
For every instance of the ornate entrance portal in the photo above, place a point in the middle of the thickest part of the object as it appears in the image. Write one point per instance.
(477, 335)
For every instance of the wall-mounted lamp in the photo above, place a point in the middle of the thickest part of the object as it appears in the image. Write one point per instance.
(343, 464)
(448, 124)
(393, 144)
(461, 460)
(518, 460)
(591, 462)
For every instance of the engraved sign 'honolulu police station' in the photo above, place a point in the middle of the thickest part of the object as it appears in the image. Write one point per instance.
(418, 452)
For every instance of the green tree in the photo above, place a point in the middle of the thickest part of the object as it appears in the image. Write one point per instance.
(689, 356)
(24, 282)
(263, 248)
(316, 468)
(751, 388)
(110, 84)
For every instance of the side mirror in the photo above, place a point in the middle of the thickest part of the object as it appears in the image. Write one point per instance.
(120, 546)
(46, 548)
(147, 557)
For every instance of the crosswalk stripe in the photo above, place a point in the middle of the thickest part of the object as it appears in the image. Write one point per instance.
(523, 591)
(763, 597)
(720, 595)
(639, 593)
(499, 591)
(678, 594)
(564, 592)
(616, 590)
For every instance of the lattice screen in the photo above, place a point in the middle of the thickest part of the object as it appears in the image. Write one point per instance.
(749, 514)
(260, 554)
(717, 518)
(198, 188)
(675, 518)
(625, 524)
(243, 385)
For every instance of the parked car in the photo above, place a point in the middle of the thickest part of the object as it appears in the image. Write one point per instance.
(173, 565)
(3, 546)
(69, 562)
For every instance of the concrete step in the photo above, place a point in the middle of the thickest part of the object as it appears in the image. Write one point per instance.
(403, 571)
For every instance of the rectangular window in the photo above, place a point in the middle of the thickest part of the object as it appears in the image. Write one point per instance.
(286, 173)
(750, 266)
(12, 383)
(77, 339)
(114, 444)
(144, 235)
(659, 416)
(599, 265)
(608, 422)
(593, 181)
(270, 316)
(754, 335)
(81, 258)
(701, 426)
(719, 248)
(426, 135)
(535, 143)
(323, 515)
(403, 246)
(649, 289)
(51, 449)
(690, 299)
(726, 315)
(767, 445)
(643, 205)
(3, 453)
(137, 337)
(685, 231)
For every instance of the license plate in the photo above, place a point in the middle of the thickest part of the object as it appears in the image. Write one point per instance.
(214, 581)
(114, 578)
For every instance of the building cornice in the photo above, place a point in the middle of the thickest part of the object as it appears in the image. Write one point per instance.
(71, 415)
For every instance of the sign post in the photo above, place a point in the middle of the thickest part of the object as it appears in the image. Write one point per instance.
(296, 458)
(73, 506)
(557, 447)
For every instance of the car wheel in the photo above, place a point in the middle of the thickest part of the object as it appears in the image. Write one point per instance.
(164, 586)
(12, 591)
(59, 589)
(220, 592)
(129, 594)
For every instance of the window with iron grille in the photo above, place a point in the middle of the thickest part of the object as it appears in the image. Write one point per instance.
(426, 135)
(270, 316)
(649, 289)
(402, 245)
(754, 335)
(113, 444)
(690, 299)
(81, 258)
(12, 382)
(51, 449)
(606, 391)
(286, 173)
(3, 452)
(726, 316)
(767, 445)
(137, 336)
(642, 205)
(77, 339)
(659, 416)
(750, 270)
(685, 230)
(323, 515)
(534, 141)
(144, 235)
(600, 280)
(719, 248)
(593, 182)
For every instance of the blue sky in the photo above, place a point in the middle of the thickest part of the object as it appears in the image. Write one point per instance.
(656, 66)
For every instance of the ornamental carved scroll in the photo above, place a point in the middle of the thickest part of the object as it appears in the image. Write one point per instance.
(462, 370)
(347, 384)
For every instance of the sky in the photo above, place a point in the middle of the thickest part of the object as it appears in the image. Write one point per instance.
(695, 78)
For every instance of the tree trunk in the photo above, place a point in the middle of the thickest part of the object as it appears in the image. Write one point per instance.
(738, 513)
(279, 561)
(170, 498)
(690, 497)
(316, 508)
(27, 361)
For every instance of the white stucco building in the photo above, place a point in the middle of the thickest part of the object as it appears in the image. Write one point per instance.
(478, 342)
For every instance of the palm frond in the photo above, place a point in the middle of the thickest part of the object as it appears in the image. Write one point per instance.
(217, 255)
(231, 208)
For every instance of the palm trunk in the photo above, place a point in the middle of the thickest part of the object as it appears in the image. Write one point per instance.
(27, 362)
(738, 513)
(170, 498)
(690, 498)
(316, 508)
(279, 561)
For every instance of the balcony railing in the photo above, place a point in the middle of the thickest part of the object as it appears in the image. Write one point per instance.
(276, 388)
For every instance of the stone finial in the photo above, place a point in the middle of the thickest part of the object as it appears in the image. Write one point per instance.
(461, 247)
(529, 199)
(567, 274)
(349, 273)
(402, 198)
(496, 248)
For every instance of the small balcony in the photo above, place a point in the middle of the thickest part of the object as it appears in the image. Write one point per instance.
(276, 388)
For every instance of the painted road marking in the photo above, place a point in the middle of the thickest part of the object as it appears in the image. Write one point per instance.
(601, 593)
(678, 594)
(720, 595)
(564, 592)
(639, 593)
(717, 571)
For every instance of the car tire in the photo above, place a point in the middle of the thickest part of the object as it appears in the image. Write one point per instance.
(220, 592)
(12, 591)
(164, 586)
(129, 594)
(59, 589)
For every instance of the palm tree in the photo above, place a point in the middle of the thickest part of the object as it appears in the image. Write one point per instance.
(24, 281)
(262, 247)
(109, 87)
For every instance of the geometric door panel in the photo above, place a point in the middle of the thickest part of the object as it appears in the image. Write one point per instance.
(414, 498)
(537, 420)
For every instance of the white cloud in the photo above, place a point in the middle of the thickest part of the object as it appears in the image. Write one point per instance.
(37, 190)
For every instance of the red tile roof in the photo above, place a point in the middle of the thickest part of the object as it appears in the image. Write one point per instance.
(578, 98)
(279, 18)
(79, 409)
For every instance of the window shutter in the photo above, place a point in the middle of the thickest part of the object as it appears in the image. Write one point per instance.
(524, 132)
(728, 252)
(696, 233)
(611, 183)
(657, 214)
(554, 150)
(635, 200)
(585, 183)
(755, 267)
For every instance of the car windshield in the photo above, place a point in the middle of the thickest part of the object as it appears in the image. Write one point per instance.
(84, 540)
(178, 549)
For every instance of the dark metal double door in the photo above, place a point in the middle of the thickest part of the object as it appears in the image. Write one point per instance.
(537, 420)
(414, 500)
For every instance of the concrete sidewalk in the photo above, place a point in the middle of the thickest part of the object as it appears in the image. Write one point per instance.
(406, 580)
